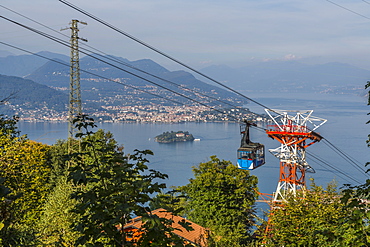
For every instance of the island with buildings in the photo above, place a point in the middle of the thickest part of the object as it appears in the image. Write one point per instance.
(179, 136)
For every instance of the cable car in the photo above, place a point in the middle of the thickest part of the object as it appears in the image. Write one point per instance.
(250, 155)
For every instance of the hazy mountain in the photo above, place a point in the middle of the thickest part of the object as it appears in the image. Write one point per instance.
(23, 65)
(27, 94)
(291, 76)
(5, 53)
(35, 99)
(98, 89)
(94, 88)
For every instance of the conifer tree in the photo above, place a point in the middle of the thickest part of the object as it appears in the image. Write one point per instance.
(55, 225)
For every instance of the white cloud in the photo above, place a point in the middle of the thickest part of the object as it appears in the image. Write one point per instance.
(290, 57)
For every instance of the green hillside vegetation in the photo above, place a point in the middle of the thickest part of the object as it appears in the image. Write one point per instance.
(52, 197)
(179, 136)
(95, 88)
(27, 94)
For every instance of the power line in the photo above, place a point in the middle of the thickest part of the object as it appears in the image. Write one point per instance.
(158, 51)
(344, 156)
(354, 12)
(121, 62)
(131, 73)
(88, 72)
(15, 12)
(345, 174)
(64, 43)
(341, 174)
(133, 87)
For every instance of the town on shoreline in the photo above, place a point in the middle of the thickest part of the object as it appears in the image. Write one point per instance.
(150, 114)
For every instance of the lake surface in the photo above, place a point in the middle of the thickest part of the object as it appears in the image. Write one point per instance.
(345, 128)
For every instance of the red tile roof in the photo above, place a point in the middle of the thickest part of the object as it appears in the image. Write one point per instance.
(197, 236)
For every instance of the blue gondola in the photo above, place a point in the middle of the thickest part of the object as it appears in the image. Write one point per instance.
(250, 155)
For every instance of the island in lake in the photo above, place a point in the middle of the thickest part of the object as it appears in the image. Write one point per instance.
(179, 136)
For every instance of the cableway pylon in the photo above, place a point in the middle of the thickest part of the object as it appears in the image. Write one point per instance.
(295, 130)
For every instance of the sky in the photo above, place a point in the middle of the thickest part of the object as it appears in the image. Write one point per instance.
(201, 33)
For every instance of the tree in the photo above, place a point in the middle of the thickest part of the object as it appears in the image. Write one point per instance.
(55, 225)
(311, 218)
(25, 168)
(112, 188)
(27, 171)
(357, 198)
(221, 198)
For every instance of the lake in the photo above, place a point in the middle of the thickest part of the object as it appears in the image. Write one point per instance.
(345, 128)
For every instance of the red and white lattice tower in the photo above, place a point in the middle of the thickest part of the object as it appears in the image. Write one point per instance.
(295, 130)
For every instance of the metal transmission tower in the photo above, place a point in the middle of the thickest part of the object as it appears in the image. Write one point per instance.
(295, 131)
(75, 107)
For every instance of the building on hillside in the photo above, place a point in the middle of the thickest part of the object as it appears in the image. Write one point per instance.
(196, 237)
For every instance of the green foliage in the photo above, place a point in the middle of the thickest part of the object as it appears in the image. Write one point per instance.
(356, 201)
(24, 167)
(324, 217)
(173, 201)
(311, 218)
(111, 189)
(357, 198)
(55, 225)
(58, 159)
(31, 95)
(221, 198)
(8, 127)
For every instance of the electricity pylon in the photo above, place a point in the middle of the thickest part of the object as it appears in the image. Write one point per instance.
(75, 106)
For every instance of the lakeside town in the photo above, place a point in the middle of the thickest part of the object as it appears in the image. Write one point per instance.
(146, 114)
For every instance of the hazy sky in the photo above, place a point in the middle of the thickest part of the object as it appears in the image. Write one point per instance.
(204, 32)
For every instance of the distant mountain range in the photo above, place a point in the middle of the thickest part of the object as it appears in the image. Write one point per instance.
(46, 83)
(292, 76)
(23, 65)
(102, 85)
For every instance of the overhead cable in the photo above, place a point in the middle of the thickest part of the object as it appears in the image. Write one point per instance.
(354, 12)
(88, 72)
(345, 174)
(121, 62)
(152, 48)
(344, 156)
(158, 51)
(140, 77)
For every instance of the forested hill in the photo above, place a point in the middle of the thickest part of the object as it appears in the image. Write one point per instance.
(27, 94)
(104, 81)
(109, 88)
